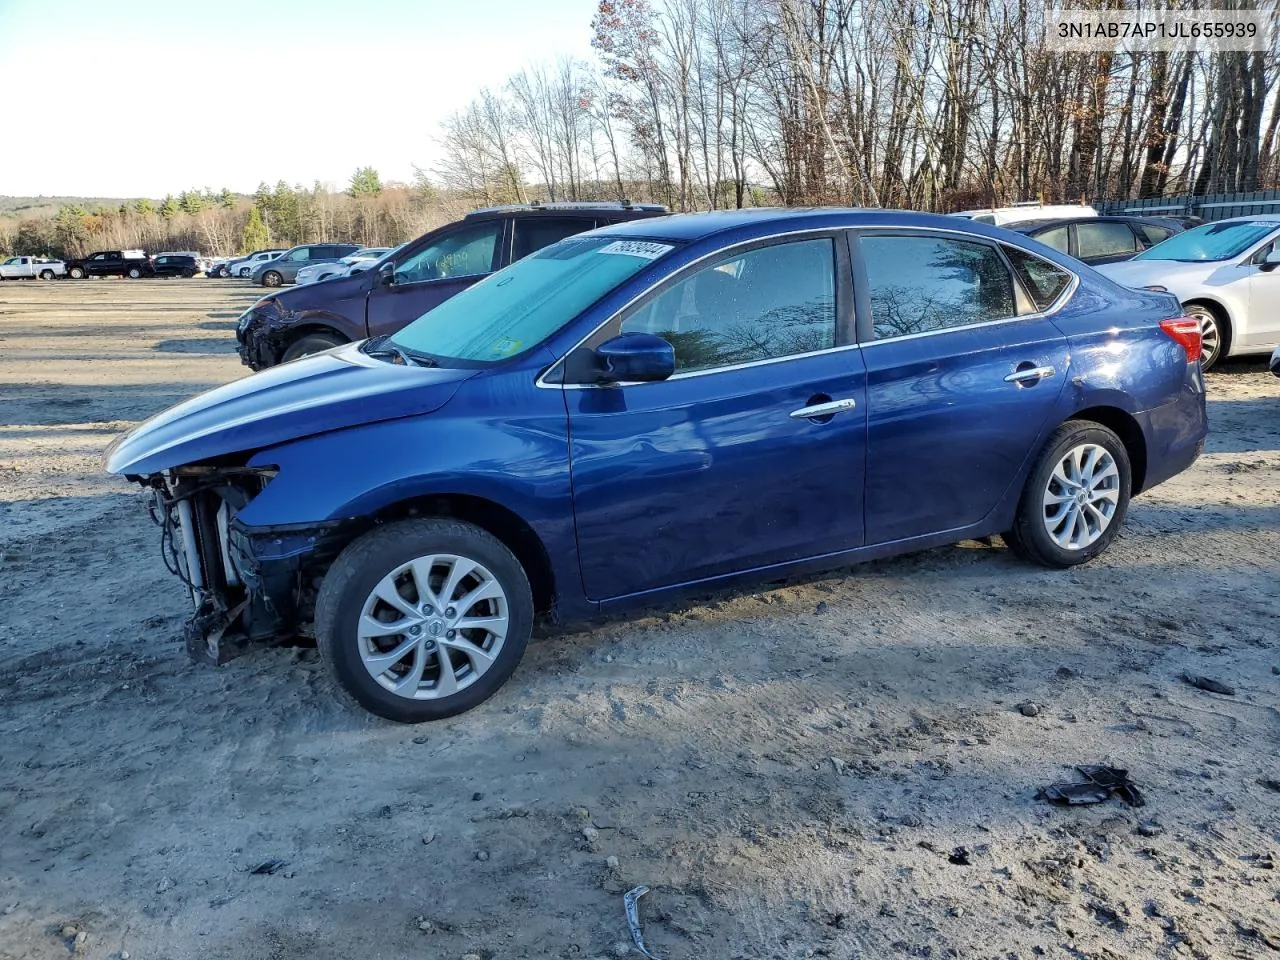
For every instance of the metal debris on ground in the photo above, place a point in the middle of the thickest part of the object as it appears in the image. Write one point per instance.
(1101, 783)
(268, 867)
(1207, 683)
(630, 899)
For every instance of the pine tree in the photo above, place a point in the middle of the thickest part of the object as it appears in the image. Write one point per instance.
(255, 235)
(145, 207)
(226, 199)
(169, 207)
(365, 182)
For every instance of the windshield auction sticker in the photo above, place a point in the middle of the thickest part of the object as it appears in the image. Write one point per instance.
(1206, 30)
(646, 249)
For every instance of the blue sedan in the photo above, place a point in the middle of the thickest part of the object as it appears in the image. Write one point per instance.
(656, 408)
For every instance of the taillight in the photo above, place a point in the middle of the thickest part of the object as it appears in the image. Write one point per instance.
(1185, 330)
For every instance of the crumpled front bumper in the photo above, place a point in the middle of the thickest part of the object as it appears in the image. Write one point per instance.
(258, 336)
(248, 586)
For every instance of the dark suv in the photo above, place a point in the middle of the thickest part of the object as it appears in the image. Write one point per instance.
(413, 279)
(175, 265)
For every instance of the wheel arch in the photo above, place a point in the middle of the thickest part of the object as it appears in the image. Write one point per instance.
(295, 332)
(1125, 426)
(502, 522)
(1222, 312)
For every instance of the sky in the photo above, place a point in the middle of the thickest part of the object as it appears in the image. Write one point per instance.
(163, 97)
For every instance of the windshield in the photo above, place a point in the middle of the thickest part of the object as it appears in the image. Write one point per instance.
(519, 307)
(1212, 241)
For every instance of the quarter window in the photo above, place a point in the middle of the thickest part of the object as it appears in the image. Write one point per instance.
(1043, 280)
(775, 301)
(465, 252)
(1104, 240)
(1151, 234)
(923, 284)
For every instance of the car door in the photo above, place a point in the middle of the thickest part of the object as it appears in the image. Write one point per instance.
(718, 470)
(99, 264)
(964, 369)
(1104, 241)
(1262, 328)
(425, 277)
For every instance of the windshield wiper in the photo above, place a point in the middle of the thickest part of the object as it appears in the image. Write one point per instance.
(383, 346)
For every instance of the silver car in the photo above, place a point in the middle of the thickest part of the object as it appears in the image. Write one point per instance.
(284, 269)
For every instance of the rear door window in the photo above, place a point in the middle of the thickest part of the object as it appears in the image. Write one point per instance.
(299, 255)
(534, 233)
(1104, 239)
(1056, 238)
(922, 284)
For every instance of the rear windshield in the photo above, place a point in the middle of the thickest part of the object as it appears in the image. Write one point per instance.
(517, 308)
(1210, 242)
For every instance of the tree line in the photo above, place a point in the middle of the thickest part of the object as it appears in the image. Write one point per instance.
(707, 104)
(921, 104)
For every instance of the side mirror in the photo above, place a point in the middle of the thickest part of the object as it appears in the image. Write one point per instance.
(387, 274)
(634, 358)
(1271, 260)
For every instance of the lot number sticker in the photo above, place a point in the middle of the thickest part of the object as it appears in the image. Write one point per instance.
(646, 249)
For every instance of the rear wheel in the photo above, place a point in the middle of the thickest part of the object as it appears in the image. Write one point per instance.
(308, 344)
(1075, 498)
(1215, 333)
(424, 618)
(134, 273)
(188, 274)
(272, 279)
(46, 274)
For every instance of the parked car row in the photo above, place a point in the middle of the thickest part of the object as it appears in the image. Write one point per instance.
(549, 422)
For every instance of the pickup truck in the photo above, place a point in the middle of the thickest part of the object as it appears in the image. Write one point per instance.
(111, 263)
(29, 268)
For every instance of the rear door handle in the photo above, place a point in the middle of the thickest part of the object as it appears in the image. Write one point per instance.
(828, 409)
(1030, 375)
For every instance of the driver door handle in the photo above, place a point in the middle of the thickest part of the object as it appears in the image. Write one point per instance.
(828, 409)
(1030, 375)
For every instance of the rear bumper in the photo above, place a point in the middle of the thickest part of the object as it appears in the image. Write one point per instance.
(1176, 431)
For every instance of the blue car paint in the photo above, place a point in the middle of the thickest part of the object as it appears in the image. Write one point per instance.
(694, 487)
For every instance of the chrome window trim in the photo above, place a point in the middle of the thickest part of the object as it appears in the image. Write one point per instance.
(1063, 299)
(753, 241)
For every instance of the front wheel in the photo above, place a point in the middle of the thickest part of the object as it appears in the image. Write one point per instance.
(272, 279)
(1075, 499)
(311, 343)
(188, 274)
(76, 273)
(423, 619)
(1215, 336)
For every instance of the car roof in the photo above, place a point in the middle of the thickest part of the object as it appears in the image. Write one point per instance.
(1256, 218)
(765, 220)
(601, 209)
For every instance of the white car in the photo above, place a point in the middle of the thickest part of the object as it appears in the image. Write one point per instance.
(1022, 212)
(1224, 273)
(353, 263)
(245, 267)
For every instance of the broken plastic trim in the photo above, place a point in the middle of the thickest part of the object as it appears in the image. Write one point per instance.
(630, 899)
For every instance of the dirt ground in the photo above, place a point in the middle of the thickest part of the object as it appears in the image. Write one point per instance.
(790, 771)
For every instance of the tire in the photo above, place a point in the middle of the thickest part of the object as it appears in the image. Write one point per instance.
(1215, 330)
(46, 274)
(76, 273)
(134, 273)
(365, 570)
(308, 344)
(244, 273)
(188, 274)
(272, 279)
(1031, 537)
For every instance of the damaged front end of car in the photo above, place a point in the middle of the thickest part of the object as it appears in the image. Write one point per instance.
(247, 586)
(261, 332)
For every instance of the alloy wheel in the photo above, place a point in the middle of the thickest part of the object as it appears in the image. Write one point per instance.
(1210, 335)
(433, 626)
(1081, 497)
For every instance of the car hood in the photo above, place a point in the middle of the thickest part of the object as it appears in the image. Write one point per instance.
(1175, 275)
(328, 391)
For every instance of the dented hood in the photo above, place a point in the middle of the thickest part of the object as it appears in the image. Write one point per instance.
(329, 391)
